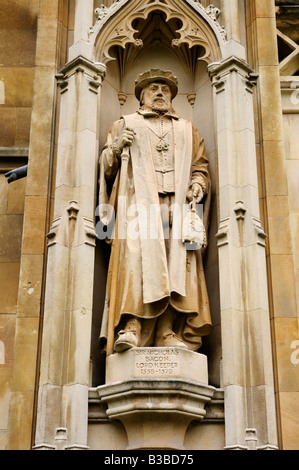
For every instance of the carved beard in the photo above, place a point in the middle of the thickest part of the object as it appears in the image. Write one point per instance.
(159, 110)
(157, 107)
(145, 107)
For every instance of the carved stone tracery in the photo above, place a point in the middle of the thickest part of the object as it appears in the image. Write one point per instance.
(180, 29)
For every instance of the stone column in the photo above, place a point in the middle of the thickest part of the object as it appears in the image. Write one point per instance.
(230, 17)
(230, 12)
(65, 358)
(84, 19)
(246, 342)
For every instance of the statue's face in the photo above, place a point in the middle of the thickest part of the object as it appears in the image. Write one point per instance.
(157, 96)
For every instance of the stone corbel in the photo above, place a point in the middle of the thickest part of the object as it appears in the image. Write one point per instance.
(252, 81)
(219, 85)
(52, 235)
(94, 85)
(122, 97)
(217, 80)
(61, 82)
(157, 407)
(222, 235)
(90, 232)
(261, 236)
(191, 98)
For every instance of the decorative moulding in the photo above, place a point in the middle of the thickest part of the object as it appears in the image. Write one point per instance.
(222, 235)
(95, 71)
(213, 13)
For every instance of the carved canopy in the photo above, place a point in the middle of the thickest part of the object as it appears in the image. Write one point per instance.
(128, 26)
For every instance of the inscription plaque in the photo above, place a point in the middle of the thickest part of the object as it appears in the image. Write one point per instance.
(157, 363)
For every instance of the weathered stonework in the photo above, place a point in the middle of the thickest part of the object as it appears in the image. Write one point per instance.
(174, 386)
(67, 73)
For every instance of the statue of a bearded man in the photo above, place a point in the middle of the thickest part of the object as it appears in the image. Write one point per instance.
(156, 292)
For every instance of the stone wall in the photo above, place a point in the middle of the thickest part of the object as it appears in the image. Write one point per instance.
(33, 47)
(35, 37)
(18, 30)
(276, 115)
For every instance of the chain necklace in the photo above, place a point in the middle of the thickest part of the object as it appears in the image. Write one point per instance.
(162, 146)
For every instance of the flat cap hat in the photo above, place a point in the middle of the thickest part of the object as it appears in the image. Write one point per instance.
(156, 75)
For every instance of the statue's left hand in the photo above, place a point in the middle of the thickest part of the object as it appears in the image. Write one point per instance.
(196, 193)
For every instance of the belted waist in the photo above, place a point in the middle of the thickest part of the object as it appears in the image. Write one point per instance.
(164, 170)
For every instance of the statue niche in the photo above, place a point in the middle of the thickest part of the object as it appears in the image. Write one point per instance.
(157, 307)
(156, 35)
(156, 288)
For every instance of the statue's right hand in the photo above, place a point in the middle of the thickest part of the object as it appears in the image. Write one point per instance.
(125, 138)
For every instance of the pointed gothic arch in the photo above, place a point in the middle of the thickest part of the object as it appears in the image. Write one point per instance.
(124, 33)
(114, 25)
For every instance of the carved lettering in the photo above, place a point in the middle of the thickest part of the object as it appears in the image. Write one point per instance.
(156, 362)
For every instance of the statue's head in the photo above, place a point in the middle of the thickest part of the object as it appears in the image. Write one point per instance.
(156, 89)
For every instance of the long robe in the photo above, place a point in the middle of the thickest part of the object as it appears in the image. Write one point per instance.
(150, 275)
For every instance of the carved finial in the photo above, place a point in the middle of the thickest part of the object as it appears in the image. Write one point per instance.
(101, 12)
(213, 12)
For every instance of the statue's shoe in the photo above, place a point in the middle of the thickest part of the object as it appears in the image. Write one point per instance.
(126, 340)
(170, 340)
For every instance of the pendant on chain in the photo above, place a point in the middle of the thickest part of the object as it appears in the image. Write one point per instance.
(162, 146)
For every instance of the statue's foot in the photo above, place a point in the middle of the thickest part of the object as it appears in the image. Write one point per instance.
(170, 340)
(126, 340)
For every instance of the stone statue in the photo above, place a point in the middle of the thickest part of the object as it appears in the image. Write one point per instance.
(153, 165)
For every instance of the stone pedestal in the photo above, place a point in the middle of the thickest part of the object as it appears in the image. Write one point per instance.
(156, 393)
(158, 363)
